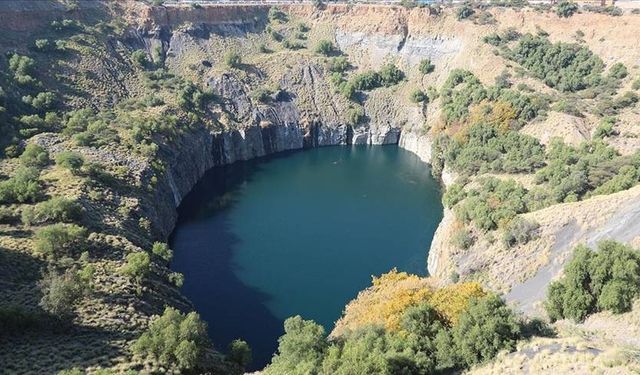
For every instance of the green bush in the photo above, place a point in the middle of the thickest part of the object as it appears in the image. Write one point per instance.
(338, 64)
(618, 71)
(275, 14)
(24, 186)
(462, 239)
(70, 160)
(140, 57)
(232, 59)
(566, 9)
(355, 115)
(605, 129)
(162, 250)
(390, 75)
(174, 338)
(426, 67)
(464, 12)
(56, 209)
(636, 84)
(607, 279)
(418, 96)
(34, 156)
(59, 240)
(325, 47)
(519, 231)
(138, 266)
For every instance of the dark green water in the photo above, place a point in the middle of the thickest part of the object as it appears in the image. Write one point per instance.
(300, 233)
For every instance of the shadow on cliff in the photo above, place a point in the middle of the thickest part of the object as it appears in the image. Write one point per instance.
(204, 245)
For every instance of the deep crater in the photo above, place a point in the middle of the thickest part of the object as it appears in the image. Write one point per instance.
(300, 233)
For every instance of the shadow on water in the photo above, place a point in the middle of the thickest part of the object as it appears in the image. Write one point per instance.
(231, 308)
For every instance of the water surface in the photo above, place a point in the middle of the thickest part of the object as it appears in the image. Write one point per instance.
(300, 234)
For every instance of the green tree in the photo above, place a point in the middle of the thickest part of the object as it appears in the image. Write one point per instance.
(464, 12)
(61, 293)
(240, 353)
(300, 349)
(174, 338)
(23, 186)
(418, 96)
(487, 327)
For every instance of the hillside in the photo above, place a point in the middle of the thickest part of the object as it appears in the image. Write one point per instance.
(112, 111)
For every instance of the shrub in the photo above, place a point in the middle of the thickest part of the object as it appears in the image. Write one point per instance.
(233, 59)
(60, 240)
(605, 129)
(464, 12)
(61, 293)
(162, 250)
(607, 279)
(355, 115)
(138, 266)
(426, 66)
(618, 71)
(23, 187)
(34, 156)
(275, 14)
(56, 209)
(390, 75)
(462, 239)
(239, 353)
(174, 338)
(519, 231)
(325, 47)
(70, 160)
(338, 64)
(566, 9)
(418, 96)
(636, 84)
(140, 57)
(43, 45)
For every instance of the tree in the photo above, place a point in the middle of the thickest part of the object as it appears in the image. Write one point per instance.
(70, 160)
(62, 292)
(487, 327)
(174, 338)
(300, 349)
(325, 47)
(390, 75)
(618, 71)
(137, 267)
(426, 66)
(60, 240)
(140, 57)
(239, 353)
(566, 9)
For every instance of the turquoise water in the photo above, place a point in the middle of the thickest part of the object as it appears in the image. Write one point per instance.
(300, 234)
